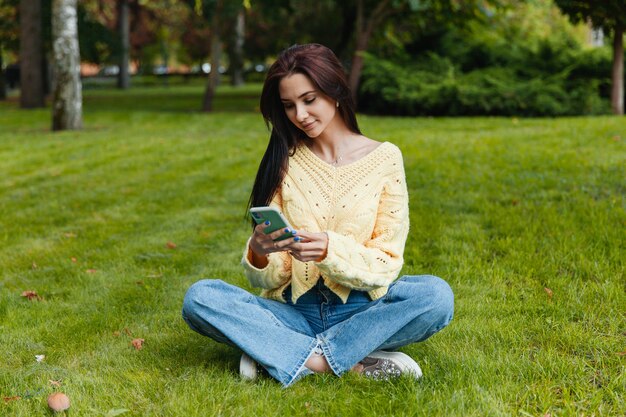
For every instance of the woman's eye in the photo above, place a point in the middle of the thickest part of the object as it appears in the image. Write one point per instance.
(288, 106)
(309, 101)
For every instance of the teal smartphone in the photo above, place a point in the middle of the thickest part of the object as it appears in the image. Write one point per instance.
(277, 220)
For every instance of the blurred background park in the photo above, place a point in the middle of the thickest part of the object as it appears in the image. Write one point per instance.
(413, 57)
(130, 136)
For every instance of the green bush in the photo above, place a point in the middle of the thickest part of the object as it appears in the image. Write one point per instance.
(522, 58)
(433, 85)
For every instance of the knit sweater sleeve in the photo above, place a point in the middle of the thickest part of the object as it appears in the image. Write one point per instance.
(277, 271)
(378, 261)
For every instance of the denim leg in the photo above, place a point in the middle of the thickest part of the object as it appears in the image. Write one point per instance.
(414, 308)
(436, 317)
(274, 334)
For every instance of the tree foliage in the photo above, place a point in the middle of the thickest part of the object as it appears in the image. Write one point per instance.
(511, 59)
(154, 24)
(609, 15)
(98, 43)
(605, 14)
(9, 25)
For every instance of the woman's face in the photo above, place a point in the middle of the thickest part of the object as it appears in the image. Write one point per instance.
(307, 108)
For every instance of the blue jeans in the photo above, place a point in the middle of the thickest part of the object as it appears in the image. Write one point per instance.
(282, 336)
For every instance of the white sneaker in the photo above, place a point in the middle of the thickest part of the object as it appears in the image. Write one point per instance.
(384, 365)
(248, 368)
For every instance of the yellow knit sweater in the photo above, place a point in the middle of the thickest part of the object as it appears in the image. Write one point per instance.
(362, 206)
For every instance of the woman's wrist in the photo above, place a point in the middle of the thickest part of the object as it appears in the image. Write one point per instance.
(258, 261)
(323, 256)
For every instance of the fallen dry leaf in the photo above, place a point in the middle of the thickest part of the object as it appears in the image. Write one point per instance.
(31, 295)
(35, 266)
(116, 333)
(549, 292)
(69, 234)
(91, 271)
(170, 245)
(58, 402)
(137, 343)
(74, 260)
(622, 353)
(54, 383)
(9, 399)
(128, 332)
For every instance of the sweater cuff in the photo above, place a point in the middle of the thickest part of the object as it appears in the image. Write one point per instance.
(246, 260)
(269, 277)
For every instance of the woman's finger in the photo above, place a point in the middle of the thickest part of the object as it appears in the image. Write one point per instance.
(260, 235)
(259, 229)
(281, 232)
(291, 244)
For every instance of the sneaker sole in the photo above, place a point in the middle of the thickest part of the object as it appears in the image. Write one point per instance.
(405, 362)
(247, 367)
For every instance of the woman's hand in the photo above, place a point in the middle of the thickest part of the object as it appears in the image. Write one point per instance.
(304, 246)
(263, 244)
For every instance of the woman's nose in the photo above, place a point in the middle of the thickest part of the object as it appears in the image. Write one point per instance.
(301, 114)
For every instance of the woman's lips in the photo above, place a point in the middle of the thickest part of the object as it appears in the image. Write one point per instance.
(308, 126)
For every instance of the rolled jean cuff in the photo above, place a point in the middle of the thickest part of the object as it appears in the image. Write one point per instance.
(302, 369)
(331, 361)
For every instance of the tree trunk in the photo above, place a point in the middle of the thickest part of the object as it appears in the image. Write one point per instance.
(123, 22)
(357, 64)
(165, 56)
(3, 86)
(364, 28)
(236, 56)
(617, 90)
(357, 59)
(31, 55)
(216, 53)
(67, 90)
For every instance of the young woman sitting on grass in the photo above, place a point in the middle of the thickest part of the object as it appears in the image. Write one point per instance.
(330, 301)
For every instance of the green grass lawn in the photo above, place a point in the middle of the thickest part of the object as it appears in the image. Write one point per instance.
(525, 218)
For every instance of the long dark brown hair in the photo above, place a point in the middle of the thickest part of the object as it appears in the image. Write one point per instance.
(322, 67)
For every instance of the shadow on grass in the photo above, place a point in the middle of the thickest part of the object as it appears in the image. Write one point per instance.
(169, 102)
(176, 98)
(195, 351)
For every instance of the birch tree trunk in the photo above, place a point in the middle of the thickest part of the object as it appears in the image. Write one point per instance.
(31, 55)
(67, 100)
(123, 22)
(617, 89)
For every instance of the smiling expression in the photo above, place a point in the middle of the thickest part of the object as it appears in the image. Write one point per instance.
(306, 107)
